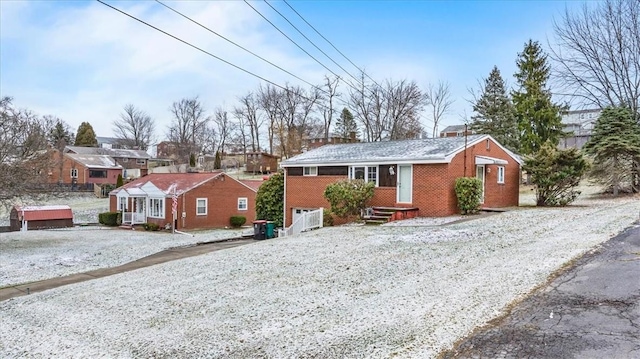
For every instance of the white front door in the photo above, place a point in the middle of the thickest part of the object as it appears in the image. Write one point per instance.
(405, 183)
(480, 175)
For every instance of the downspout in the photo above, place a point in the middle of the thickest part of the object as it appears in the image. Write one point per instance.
(284, 201)
(465, 150)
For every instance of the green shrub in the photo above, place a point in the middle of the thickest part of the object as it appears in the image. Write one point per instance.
(269, 199)
(119, 181)
(556, 174)
(237, 221)
(349, 197)
(110, 218)
(151, 227)
(327, 218)
(469, 194)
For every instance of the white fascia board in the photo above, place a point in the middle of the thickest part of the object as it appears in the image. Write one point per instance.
(368, 163)
(486, 160)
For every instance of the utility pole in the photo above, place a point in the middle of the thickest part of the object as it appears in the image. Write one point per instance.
(465, 150)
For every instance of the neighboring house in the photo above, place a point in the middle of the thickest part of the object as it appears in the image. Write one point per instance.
(134, 162)
(83, 169)
(24, 218)
(455, 131)
(417, 174)
(108, 142)
(261, 162)
(578, 126)
(204, 200)
(313, 143)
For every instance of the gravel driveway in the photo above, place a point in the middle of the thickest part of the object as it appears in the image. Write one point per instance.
(358, 291)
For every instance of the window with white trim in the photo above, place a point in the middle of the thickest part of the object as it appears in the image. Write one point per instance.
(74, 173)
(310, 171)
(122, 206)
(367, 173)
(156, 207)
(243, 204)
(500, 174)
(201, 206)
(140, 161)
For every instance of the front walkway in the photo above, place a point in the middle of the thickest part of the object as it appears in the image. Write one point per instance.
(157, 258)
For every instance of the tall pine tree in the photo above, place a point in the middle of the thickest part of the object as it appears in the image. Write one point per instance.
(538, 118)
(615, 144)
(345, 124)
(495, 113)
(86, 137)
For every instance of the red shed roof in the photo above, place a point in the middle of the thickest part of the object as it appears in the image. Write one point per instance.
(43, 213)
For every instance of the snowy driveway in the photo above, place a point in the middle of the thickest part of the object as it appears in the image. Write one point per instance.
(338, 292)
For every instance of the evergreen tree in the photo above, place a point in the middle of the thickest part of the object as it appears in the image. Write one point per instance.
(60, 135)
(217, 162)
(192, 160)
(615, 140)
(86, 137)
(119, 181)
(495, 112)
(538, 118)
(346, 124)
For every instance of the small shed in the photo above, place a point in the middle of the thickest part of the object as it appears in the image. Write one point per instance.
(24, 218)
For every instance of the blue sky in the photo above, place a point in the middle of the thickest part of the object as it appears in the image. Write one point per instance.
(82, 61)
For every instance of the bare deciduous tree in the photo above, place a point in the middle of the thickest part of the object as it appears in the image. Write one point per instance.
(597, 54)
(438, 100)
(390, 111)
(223, 129)
(269, 99)
(134, 128)
(327, 102)
(188, 127)
(248, 115)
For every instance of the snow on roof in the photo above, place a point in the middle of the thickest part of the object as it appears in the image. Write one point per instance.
(43, 213)
(165, 181)
(454, 128)
(95, 161)
(108, 151)
(430, 149)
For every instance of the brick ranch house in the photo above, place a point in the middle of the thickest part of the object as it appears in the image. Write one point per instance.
(134, 162)
(205, 200)
(83, 169)
(417, 174)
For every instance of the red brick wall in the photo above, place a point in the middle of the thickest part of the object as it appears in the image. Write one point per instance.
(433, 185)
(83, 172)
(496, 195)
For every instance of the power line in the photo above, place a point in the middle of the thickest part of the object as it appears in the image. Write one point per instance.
(330, 43)
(311, 42)
(295, 43)
(234, 43)
(205, 51)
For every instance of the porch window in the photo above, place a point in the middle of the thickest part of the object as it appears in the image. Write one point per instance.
(201, 206)
(500, 174)
(311, 171)
(243, 204)
(74, 173)
(156, 207)
(122, 205)
(367, 173)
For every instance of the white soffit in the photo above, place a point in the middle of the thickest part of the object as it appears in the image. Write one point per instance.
(485, 160)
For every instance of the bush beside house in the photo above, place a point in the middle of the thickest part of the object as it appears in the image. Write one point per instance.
(469, 194)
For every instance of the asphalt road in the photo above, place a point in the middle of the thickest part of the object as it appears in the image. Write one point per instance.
(592, 310)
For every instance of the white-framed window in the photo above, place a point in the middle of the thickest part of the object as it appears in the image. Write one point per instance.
(243, 204)
(156, 207)
(367, 173)
(74, 173)
(141, 161)
(500, 174)
(310, 171)
(201, 206)
(122, 205)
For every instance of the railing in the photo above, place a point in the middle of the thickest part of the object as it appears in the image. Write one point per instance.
(306, 221)
(133, 218)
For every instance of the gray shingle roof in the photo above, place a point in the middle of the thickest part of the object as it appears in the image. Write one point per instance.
(430, 149)
(109, 152)
(94, 161)
(454, 128)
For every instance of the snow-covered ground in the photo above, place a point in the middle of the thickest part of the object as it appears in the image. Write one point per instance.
(349, 291)
(35, 255)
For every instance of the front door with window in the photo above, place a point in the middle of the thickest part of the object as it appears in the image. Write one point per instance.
(298, 212)
(480, 175)
(404, 183)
